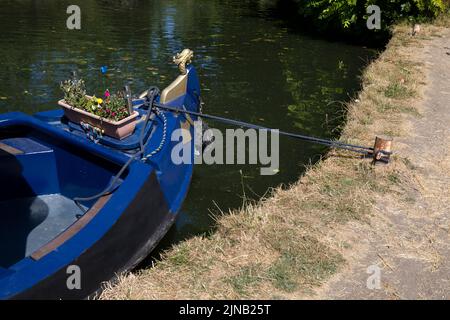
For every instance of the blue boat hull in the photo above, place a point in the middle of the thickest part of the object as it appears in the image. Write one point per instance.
(48, 163)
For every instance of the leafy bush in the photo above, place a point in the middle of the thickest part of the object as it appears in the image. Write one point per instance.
(351, 15)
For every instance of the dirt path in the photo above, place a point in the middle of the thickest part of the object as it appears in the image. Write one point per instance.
(410, 240)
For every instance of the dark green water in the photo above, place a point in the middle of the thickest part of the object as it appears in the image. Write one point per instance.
(251, 67)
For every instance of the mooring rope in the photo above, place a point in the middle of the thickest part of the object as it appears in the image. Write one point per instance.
(151, 95)
(163, 139)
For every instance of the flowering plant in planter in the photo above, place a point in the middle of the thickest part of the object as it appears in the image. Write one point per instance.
(109, 115)
(111, 106)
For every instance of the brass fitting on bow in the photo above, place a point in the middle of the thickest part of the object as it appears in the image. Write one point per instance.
(182, 59)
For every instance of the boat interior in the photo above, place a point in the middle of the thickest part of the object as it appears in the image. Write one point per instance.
(40, 176)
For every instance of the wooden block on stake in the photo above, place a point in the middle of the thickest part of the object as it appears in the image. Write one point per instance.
(382, 149)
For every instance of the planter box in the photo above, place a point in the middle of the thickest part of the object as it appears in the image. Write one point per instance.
(115, 129)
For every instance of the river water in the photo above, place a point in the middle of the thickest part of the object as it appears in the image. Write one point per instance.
(252, 67)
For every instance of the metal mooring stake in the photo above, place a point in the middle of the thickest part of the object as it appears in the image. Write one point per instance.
(382, 150)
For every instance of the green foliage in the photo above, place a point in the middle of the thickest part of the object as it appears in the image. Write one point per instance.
(74, 91)
(351, 15)
(113, 107)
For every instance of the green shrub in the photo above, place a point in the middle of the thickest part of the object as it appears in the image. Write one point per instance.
(351, 15)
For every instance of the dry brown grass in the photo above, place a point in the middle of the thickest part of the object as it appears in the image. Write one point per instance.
(284, 246)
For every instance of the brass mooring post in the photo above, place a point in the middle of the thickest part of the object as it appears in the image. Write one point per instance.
(382, 150)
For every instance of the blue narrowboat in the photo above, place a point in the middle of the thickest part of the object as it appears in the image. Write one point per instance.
(50, 225)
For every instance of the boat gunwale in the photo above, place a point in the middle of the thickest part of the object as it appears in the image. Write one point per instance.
(20, 119)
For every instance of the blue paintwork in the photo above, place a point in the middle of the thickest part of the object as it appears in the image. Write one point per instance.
(50, 151)
(31, 167)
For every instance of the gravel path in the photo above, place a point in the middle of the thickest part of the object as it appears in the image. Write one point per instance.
(409, 241)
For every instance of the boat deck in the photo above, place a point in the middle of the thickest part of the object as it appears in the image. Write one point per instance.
(29, 223)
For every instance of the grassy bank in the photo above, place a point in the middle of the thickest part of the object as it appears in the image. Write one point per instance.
(290, 242)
